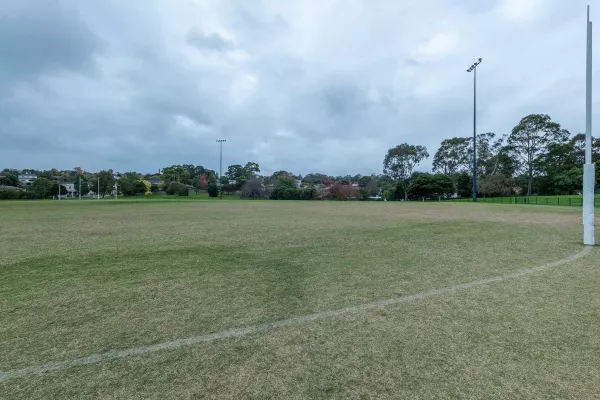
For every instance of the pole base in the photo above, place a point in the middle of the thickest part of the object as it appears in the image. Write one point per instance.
(589, 177)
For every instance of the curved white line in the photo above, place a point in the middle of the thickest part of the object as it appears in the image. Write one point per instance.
(239, 332)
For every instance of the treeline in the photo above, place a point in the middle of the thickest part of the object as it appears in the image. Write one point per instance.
(538, 156)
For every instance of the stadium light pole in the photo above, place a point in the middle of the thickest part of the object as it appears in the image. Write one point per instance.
(473, 68)
(221, 141)
(589, 173)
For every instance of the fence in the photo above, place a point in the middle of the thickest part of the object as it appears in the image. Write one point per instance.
(576, 201)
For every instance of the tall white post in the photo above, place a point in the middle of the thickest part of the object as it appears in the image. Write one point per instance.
(98, 188)
(589, 173)
(79, 187)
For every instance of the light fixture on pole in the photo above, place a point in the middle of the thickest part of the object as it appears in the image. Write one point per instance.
(589, 173)
(473, 68)
(220, 141)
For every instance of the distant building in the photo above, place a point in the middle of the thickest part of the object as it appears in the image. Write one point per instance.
(157, 182)
(26, 179)
(70, 189)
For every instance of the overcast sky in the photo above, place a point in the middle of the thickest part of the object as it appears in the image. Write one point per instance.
(305, 86)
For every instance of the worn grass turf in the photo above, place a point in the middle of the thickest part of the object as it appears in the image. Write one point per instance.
(81, 278)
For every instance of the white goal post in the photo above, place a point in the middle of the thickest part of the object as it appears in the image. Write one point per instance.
(589, 171)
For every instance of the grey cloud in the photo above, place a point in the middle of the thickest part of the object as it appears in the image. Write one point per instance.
(212, 41)
(44, 35)
(345, 81)
(342, 100)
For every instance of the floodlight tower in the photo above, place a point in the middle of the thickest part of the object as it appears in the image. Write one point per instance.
(473, 68)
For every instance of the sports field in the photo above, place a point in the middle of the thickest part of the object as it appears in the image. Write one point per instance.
(286, 300)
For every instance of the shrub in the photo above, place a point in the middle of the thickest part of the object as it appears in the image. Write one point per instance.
(178, 189)
(229, 188)
(147, 187)
(339, 191)
(307, 193)
(253, 189)
(212, 189)
(10, 194)
(285, 189)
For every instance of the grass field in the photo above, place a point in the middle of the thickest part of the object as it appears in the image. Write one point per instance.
(81, 278)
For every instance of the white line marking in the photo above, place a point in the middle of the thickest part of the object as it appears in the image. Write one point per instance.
(240, 332)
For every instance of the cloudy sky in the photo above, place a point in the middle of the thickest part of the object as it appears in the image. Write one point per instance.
(303, 85)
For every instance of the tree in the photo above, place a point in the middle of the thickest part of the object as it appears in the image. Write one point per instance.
(10, 180)
(236, 173)
(372, 187)
(196, 173)
(568, 181)
(426, 185)
(85, 186)
(495, 185)
(126, 186)
(211, 176)
(487, 148)
(421, 185)
(202, 182)
(130, 184)
(140, 187)
(176, 173)
(442, 185)
(55, 191)
(41, 188)
(315, 178)
(107, 182)
(452, 156)
(212, 189)
(530, 139)
(178, 189)
(285, 189)
(252, 169)
(199, 170)
(464, 185)
(400, 162)
(578, 142)
(363, 181)
(556, 160)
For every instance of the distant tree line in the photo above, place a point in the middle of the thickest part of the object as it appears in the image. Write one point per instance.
(538, 156)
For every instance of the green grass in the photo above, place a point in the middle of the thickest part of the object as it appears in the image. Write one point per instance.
(87, 277)
(160, 197)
